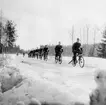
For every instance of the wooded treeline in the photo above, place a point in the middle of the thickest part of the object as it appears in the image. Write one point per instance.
(88, 50)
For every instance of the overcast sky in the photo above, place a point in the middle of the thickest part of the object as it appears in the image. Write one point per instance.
(49, 21)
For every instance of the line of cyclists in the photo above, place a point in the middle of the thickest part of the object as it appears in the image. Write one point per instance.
(42, 52)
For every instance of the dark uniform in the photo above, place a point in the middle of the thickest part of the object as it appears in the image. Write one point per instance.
(40, 53)
(23, 54)
(76, 50)
(45, 51)
(58, 51)
(37, 53)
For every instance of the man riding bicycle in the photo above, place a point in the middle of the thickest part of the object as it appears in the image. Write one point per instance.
(58, 51)
(45, 51)
(37, 53)
(41, 52)
(76, 49)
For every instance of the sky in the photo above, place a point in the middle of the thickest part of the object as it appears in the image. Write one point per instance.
(49, 21)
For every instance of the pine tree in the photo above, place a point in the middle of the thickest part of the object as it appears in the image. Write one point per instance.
(10, 33)
(101, 50)
(2, 31)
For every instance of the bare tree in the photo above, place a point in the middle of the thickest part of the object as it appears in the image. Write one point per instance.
(83, 34)
(94, 39)
(87, 38)
(96, 29)
(92, 49)
(87, 27)
(80, 35)
(72, 34)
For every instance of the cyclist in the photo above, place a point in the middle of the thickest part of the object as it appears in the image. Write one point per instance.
(58, 51)
(41, 52)
(37, 52)
(76, 49)
(17, 53)
(45, 51)
(23, 54)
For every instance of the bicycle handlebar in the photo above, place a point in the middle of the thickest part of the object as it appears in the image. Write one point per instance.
(80, 54)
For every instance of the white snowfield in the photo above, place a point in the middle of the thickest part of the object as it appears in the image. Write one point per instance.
(77, 83)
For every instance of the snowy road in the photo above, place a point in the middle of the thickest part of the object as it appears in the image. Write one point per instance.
(76, 82)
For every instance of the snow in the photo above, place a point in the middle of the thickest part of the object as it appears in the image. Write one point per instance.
(75, 82)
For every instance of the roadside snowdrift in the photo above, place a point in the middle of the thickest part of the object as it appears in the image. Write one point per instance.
(21, 83)
(98, 96)
(22, 88)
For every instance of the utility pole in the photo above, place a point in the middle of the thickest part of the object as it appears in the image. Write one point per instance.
(83, 36)
(94, 40)
(94, 36)
(87, 33)
(72, 34)
(80, 35)
(84, 40)
(87, 27)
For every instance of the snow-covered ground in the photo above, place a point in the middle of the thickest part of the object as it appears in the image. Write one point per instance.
(63, 83)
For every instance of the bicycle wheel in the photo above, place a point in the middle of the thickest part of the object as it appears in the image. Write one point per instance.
(81, 62)
(60, 60)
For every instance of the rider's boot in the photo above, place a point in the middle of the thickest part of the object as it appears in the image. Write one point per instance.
(60, 60)
(74, 61)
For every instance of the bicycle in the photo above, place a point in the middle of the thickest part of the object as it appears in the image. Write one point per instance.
(58, 59)
(79, 59)
(23, 54)
(46, 56)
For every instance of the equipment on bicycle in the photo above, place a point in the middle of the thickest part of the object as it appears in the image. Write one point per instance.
(79, 59)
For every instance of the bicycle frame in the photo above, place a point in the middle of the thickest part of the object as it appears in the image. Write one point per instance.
(57, 59)
(79, 56)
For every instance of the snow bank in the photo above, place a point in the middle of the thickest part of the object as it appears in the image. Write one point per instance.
(98, 96)
(34, 101)
(9, 75)
(20, 103)
(9, 78)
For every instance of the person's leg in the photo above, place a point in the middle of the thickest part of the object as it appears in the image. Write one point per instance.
(56, 55)
(47, 55)
(38, 55)
(44, 55)
(74, 57)
(41, 56)
(60, 57)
